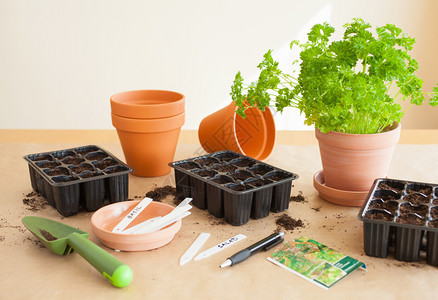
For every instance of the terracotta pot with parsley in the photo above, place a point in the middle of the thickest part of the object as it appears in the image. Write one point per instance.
(350, 87)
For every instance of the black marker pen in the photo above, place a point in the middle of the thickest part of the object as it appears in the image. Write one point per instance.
(265, 244)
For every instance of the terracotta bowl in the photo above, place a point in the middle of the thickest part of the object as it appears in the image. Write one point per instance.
(105, 219)
(347, 198)
(147, 104)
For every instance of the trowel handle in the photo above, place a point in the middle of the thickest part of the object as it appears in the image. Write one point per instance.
(113, 269)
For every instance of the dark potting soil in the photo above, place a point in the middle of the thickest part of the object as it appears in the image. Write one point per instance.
(387, 197)
(206, 173)
(376, 204)
(225, 168)
(73, 160)
(434, 213)
(298, 198)
(58, 171)
(379, 215)
(99, 156)
(385, 186)
(113, 170)
(178, 198)
(259, 182)
(238, 187)
(63, 179)
(420, 210)
(411, 219)
(390, 206)
(48, 236)
(288, 223)
(43, 157)
(207, 161)
(227, 156)
(241, 175)
(82, 168)
(416, 199)
(160, 193)
(188, 165)
(49, 164)
(222, 180)
(419, 189)
(261, 169)
(215, 221)
(106, 163)
(433, 224)
(34, 201)
(244, 162)
(278, 176)
(88, 175)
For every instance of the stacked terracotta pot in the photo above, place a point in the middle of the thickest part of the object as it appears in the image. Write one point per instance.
(148, 124)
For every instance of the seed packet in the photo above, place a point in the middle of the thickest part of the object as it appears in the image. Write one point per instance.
(314, 261)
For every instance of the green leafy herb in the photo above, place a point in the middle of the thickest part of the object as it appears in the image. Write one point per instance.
(353, 85)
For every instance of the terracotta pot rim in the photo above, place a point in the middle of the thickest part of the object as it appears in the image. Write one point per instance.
(360, 141)
(225, 130)
(148, 118)
(148, 125)
(361, 134)
(148, 104)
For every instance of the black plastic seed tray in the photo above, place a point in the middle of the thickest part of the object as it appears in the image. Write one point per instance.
(78, 177)
(401, 216)
(233, 186)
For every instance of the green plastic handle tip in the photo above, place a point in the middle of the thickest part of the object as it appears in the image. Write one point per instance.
(119, 274)
(122, 276)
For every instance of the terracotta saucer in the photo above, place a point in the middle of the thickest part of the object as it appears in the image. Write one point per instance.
(107, 217)
(347, 198)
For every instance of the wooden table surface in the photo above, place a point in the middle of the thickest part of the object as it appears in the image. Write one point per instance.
(32, 272)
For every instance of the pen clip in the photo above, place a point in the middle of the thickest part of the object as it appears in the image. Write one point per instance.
(274, 244)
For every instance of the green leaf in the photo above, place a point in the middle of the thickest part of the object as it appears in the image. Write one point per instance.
(351, 85)
(320, 33)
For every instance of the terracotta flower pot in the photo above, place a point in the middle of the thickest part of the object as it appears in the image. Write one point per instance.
(149, 144)
(351, 162)
(253, 136)
(147, 104)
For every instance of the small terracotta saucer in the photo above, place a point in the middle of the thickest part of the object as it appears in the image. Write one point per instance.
(347, 198)
(106, 218)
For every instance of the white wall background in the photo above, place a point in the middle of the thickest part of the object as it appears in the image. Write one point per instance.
(61, 60)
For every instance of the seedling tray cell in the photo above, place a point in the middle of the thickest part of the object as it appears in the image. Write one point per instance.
(78, 177)
(233, 186)
(402, 217)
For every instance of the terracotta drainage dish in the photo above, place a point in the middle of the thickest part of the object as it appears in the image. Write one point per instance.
(105, 219)
(340, 197)
(402, 216)
(253, 136)
(147, 104)
(149, 144)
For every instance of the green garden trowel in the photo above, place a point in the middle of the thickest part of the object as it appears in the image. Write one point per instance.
(62, 239)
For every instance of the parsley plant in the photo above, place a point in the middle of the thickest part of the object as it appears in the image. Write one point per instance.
(353, 85)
